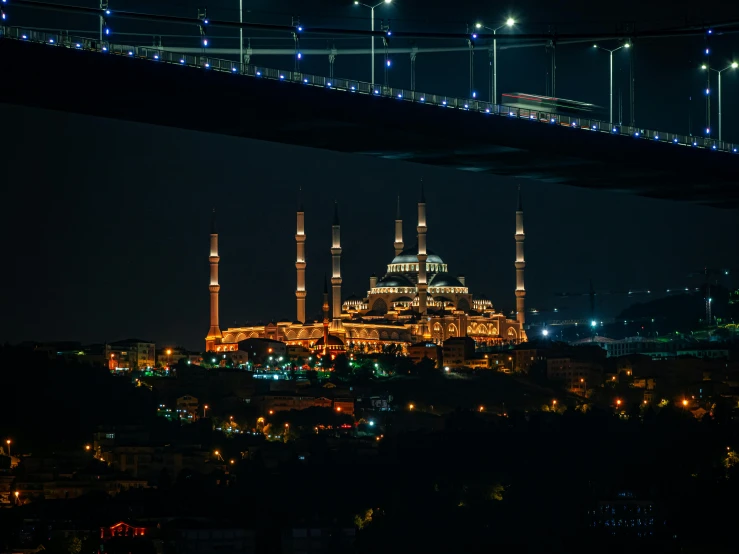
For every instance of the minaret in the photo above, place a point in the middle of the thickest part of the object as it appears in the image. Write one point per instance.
(214, 333)
(336, 325)
(520, 264)
(398, 231)
(325, 316)
(422, 285)
(300, 292)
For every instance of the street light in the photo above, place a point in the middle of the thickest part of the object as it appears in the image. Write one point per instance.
(611, 51)
(510, 22)
(372, 19)
(732, 65)
(8, 443)
(205, 408)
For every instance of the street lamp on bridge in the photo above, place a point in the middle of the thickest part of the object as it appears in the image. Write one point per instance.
(510, 22)
(611, 51)
(372, 19)
(732, 65)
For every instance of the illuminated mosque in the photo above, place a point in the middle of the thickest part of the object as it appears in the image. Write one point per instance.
(417, 299)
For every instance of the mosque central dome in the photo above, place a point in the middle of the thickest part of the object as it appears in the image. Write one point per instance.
(410, 255)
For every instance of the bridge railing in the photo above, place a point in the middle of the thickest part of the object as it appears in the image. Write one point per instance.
(62, 39)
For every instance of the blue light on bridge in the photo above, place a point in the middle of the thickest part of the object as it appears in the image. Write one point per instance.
(328, 85)
(377, 91)
(423, 99)
(708, 130)
(636, 134)
(130, 53)
(300, 55)
(708, 91)
(3, 16)
(695, 143)
(107, 12)
(51, 41)
(443, 102)
(389, 63)
(78, 45)
(282, 77)
(714, 147)
(487, 110)
(305, 80)
(708, 51)
(205, 42)
(105, 48)
(389, 32)
(615, 129)
(259, 73)
(474, 94)
(207, 65)
(400, 96)
(710, 31)
(300, 28)
(656, 137)
(182, 60)
(353, 88)
(595, 127)
(674, 140)
(574, 123)
(156, 56)
(552, 120)
(24, 37)
(734, 149)
(234, 70)
(466, 106)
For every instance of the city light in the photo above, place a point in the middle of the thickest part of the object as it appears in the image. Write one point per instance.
(685, 402)
(510, 22)
(411, 406)
(593, 323)
(545, 332)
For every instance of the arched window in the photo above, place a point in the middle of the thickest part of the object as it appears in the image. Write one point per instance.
(452, 329)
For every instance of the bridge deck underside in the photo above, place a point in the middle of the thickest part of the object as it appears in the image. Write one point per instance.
(146, 91)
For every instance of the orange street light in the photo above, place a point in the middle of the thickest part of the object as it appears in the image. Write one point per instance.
(217, 453)
(87, 447)
(618, 402)
(271, 412)
(338, 408)
(685, 402)
(169, 351)
(287, 425)
(233, 462)
(411, 406)
(554, 402)
(482, 408)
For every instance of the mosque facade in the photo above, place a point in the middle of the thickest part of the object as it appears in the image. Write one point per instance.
(417, 299)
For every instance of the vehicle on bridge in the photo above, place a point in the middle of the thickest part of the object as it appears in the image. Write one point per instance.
(550, 105)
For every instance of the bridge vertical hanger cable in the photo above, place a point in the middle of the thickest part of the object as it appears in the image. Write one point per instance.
(632, 81)
(471, 45)
(413, 68)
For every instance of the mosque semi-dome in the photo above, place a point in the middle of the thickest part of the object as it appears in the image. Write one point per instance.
(445, 280)
(395, 280)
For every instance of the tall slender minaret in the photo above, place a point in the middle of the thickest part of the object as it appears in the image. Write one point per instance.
(398, 231)
(336, 324)
(520, 264)
(422, 284)
(214, 333)
(325, 316)
(300, 292)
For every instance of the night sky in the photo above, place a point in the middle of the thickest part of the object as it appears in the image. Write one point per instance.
(105, 223)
